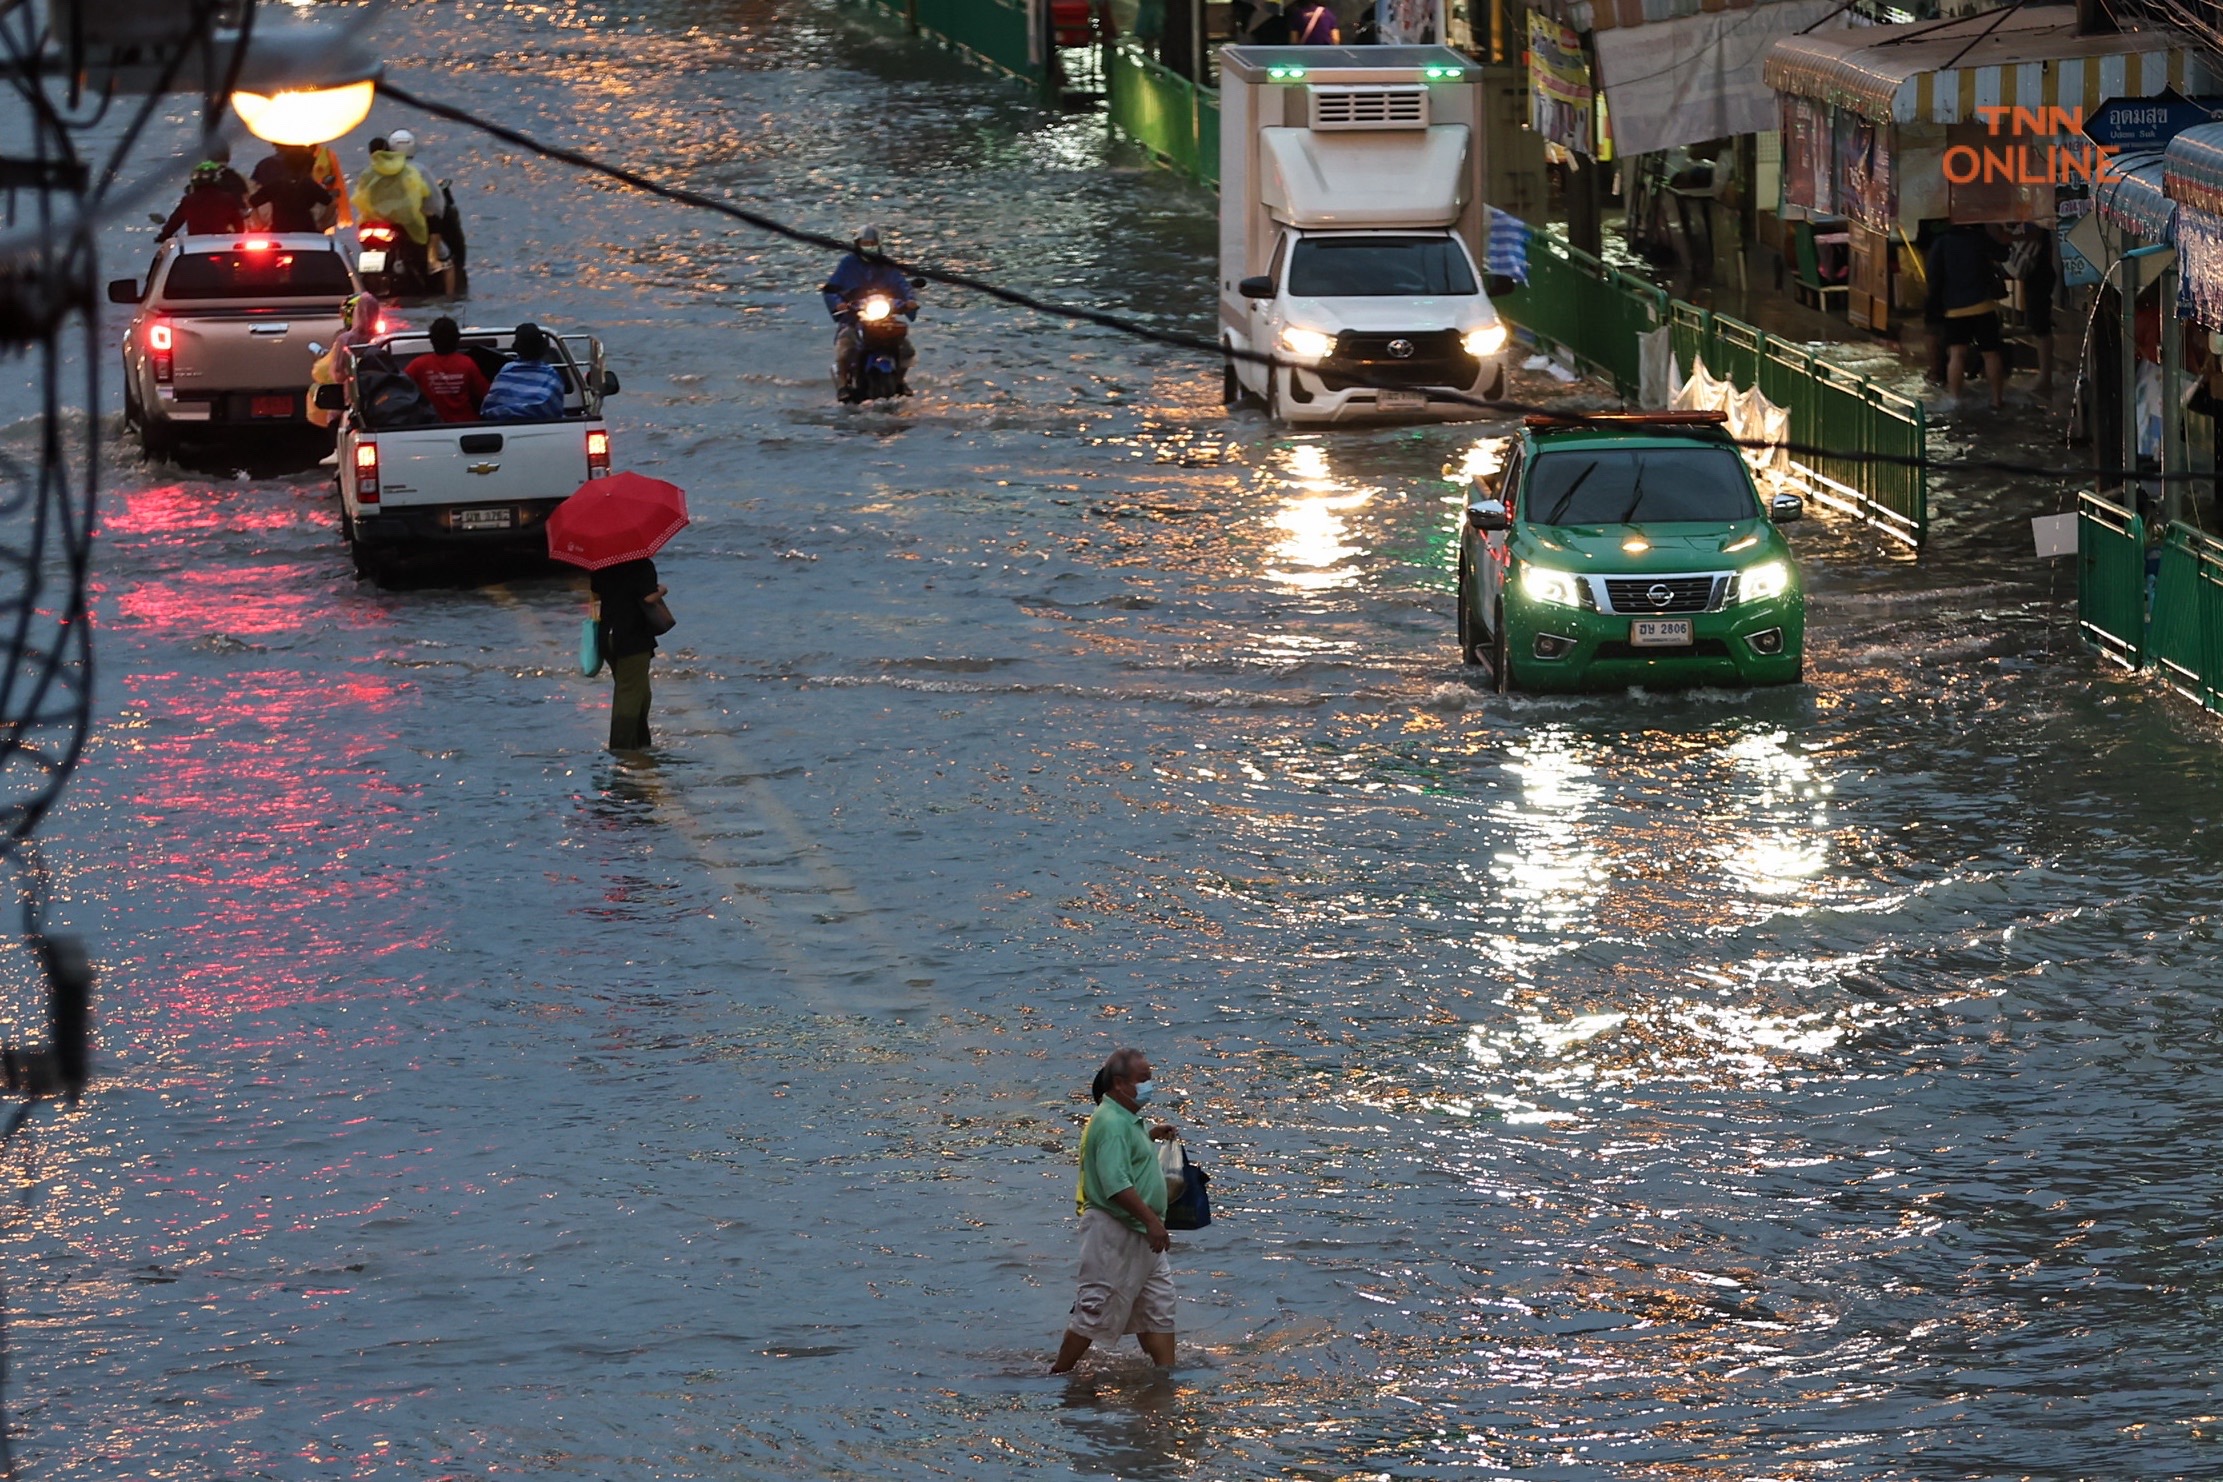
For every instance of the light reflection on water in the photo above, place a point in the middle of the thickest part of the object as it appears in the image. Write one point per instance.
(1804, 1084)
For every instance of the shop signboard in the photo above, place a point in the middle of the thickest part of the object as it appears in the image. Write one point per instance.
(2149, 123)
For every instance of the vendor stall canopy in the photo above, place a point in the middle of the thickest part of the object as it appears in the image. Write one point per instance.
(2132, 198)
(2192, 171)
(1944, 71)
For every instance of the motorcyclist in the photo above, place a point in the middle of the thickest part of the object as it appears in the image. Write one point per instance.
(445, 224)
(865, 271)
(394, 190)
(209, 206)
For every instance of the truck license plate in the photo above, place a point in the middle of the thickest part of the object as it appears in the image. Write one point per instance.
(270, 406)
(1402, 401)
(499, 519)
(1660, 633)
(372, 261)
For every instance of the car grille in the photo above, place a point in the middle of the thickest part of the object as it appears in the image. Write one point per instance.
(1364, 358)
(1648, 596)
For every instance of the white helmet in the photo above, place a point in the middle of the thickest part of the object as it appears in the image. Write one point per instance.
(403, 143)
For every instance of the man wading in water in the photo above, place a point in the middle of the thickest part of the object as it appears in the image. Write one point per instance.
(1126, 1285)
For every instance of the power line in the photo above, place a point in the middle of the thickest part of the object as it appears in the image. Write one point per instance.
(1176, 339)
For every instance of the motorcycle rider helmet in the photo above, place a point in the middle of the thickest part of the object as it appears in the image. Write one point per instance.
(867, 241)
(402, 142)
(207, 172)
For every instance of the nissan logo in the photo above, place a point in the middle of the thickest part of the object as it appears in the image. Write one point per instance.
(1401, 349)
(1661, 594)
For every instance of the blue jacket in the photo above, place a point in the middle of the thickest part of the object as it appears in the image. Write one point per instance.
(523, 391)
(856, 277)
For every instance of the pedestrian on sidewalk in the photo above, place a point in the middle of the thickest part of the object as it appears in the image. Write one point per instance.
(1126, 1283)
(631, 613)
(1963, 272)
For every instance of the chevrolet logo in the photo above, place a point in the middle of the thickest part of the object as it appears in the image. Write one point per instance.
(485, 467)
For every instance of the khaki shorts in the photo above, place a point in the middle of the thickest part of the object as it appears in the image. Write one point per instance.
(1126, 1287)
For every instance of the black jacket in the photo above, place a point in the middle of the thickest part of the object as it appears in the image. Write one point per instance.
(625, 629)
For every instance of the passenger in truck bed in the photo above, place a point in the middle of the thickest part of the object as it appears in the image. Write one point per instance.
(450, 379)
(528, 389)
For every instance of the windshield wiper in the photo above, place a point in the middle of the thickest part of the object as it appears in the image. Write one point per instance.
(1636, 498)
(1567, 498)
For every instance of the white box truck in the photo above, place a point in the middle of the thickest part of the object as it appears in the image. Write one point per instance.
(1352, 232)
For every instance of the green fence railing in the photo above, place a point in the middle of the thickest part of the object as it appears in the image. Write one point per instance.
(1830, 407)
(993, 31)
(1164, 112)
(2111, 579)
(1588, 311)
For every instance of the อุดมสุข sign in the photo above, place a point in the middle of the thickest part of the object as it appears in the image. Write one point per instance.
(2149, 123)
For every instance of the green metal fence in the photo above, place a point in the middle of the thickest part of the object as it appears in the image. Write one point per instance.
(1164, 112)
(992, 31)
(2184, 635)
(1592, 314)
(2111, 579)
(1830, 407)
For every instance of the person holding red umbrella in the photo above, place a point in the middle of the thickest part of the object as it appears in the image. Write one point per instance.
(611, 526)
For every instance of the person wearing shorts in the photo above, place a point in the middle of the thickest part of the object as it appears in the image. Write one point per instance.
(1126, 1283)
(1964, 283)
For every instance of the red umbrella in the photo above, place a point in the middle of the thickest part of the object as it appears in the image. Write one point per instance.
(625, 517)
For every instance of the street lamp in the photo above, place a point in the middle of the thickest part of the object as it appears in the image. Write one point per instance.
(305, 82)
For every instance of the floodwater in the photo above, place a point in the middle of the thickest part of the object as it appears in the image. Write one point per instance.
(1802, 1084)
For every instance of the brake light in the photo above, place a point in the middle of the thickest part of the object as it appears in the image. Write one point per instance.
(161, 340)
(366, 473)
(383, 326)
(257, 244)
(598, 452)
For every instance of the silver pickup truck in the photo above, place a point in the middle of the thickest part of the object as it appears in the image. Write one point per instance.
(457, 490)
(222, 338)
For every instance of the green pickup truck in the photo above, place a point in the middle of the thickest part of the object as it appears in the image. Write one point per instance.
(1629, 549)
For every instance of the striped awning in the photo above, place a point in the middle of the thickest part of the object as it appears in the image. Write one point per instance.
(1943, 71)
(1619, 15)
(2192, 169)
(2135, 201)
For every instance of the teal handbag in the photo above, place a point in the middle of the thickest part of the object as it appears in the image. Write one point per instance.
(590, 647)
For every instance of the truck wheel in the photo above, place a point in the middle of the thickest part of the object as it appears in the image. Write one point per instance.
(1273, 395)
(1501, 652)
(157, 440)
(356, 556)
(1470, 651)
(1231, 386)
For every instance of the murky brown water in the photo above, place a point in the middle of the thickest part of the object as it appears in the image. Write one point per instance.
(1731, 1085)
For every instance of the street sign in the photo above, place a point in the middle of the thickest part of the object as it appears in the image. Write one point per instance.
(2149, 123)
(2083, 250)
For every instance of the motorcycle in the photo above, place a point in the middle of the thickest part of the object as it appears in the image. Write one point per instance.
(393, 267)
(881, 334)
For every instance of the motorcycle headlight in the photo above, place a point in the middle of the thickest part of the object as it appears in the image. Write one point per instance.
(1307, 344)
(874, 309)
(1484, 340)
(1559, 588)
(1768, 579)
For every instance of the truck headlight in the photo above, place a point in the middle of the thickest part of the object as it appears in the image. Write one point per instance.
(1559, 588)
(1307, 344)
(1768, 579)
(1484, 340)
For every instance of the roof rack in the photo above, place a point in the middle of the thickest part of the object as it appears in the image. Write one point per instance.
(1576, 421)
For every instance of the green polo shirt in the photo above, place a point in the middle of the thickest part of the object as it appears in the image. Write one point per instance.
(1117, 1154)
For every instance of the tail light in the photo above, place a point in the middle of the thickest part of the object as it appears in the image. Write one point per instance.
(366, 473)
(161, 341)
(598, 452)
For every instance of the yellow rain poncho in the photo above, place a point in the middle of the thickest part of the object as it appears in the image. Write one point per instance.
(394, 190)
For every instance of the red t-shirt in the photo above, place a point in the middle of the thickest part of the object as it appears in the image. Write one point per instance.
(454, 384)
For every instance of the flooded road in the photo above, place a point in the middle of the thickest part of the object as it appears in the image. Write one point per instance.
(1799, 1084)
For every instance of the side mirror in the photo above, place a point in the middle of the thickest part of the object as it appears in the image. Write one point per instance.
(1258, 287)
(1498, 285)
(918, 282)
(123, 291)
(1488, 515)
(1784, 508)
(330, 398)
(609, 383)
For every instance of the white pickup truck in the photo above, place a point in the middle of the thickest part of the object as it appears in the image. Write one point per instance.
(222, 338)
(464, 488)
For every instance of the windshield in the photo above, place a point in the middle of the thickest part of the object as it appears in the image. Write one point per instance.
(1378, 267)
(1623, 486)
(269, 273)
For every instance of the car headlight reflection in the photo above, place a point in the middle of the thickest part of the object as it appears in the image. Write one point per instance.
(1484, 340)
(1759, 583)
(1307, 344)
(1559, 588)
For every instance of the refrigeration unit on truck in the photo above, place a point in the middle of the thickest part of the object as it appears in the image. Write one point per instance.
(1352, 232)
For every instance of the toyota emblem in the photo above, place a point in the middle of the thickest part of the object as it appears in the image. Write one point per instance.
(1401, 349)
(1661, 594)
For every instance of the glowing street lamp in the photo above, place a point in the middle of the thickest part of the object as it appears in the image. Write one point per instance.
(305, 82)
